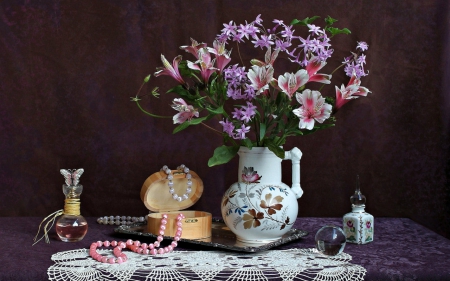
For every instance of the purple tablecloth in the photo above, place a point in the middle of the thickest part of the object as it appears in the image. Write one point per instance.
(402, 249)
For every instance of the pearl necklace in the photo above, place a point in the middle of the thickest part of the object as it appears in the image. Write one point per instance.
(120, 220)
(136, 246)
(183, 169)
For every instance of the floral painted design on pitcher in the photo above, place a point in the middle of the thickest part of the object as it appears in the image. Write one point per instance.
(259, 207)
(271, 212)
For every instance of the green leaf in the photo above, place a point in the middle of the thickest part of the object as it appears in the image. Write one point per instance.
(305, 21)
(333, 30)
(275, 148)
(247, 143)
(180, 90)
(262, 130)
(180, 127)
(329, 20)
(196, 121)
(215, 111)
(223, 154)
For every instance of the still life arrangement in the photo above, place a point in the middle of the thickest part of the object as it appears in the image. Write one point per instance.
(256, 105)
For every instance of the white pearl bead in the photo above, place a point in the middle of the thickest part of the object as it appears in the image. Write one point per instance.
(188, 176)
(172, 191)
(175, 196)
(188, 190)
(185, 196)
(179, 199)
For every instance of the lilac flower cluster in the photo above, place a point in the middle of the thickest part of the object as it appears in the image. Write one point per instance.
(237, 80)
(299, 50)
(355, 64)
(281, 37)
(239, 88)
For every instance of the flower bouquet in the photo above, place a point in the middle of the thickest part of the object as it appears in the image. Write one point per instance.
(255, 105)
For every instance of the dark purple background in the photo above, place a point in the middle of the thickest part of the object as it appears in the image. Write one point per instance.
(69, 68)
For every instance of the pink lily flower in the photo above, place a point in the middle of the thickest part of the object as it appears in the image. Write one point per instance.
(171, 70)
(222, 55)
(205, 65)
(290, 82)
(314, 108)
(260, 77)
(314, 65)
(352, 91)
(186, 112)
(194, 48)
(269, 58)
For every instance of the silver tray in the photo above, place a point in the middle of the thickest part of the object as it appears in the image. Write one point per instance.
(221, 237)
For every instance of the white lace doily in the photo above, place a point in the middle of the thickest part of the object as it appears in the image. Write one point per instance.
(293, 264)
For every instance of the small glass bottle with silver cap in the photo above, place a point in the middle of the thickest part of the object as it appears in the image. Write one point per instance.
(358, 225)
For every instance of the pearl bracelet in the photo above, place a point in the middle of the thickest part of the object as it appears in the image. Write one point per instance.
(183, 169)
(120, 220)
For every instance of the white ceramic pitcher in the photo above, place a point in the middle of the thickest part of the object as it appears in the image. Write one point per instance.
(259, 208)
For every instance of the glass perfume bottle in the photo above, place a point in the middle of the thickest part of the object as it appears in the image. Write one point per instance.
(72, 226)
(358, 225)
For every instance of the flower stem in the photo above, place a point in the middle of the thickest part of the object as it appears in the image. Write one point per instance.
(148, 113)
(332, 74)
(211, 128)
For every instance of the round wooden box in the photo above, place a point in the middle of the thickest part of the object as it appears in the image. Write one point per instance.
(157, 198)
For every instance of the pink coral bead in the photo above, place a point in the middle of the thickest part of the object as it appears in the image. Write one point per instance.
(111, 260)
(106, 243)
(153, 252)
(161, 251)
(129, 242)
(114, 243)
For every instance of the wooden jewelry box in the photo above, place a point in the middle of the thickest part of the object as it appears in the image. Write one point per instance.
(157, 198)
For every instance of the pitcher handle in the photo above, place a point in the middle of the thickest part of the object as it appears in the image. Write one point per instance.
(295, 155)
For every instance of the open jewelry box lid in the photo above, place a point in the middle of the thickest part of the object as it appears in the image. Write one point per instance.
(157, 198)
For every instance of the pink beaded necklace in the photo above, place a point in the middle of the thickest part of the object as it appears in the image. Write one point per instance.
(136, 246)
